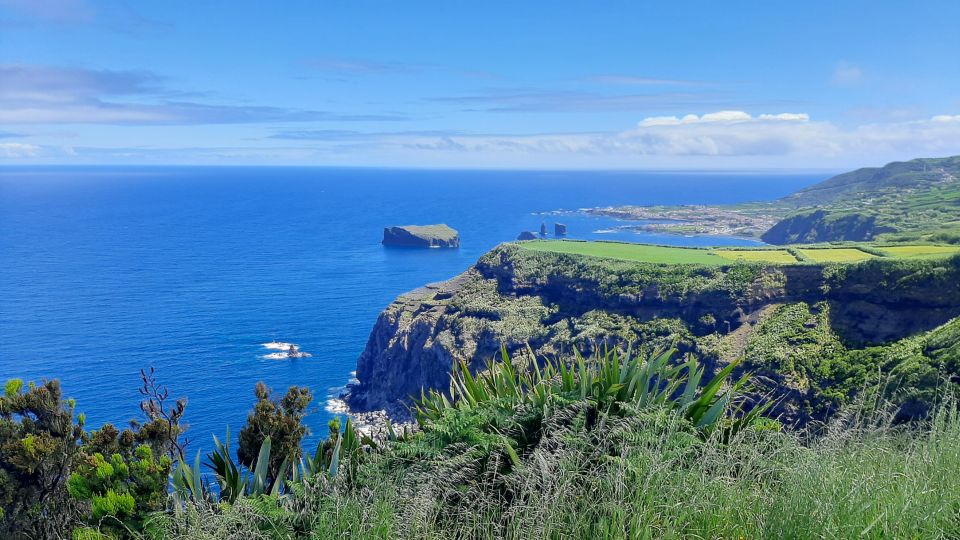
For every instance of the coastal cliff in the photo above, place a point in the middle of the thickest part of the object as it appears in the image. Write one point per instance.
(421, 236)
(553, 302)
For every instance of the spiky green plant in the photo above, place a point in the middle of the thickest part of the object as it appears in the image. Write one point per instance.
(608, 380)
(339, 447)
(232, 480)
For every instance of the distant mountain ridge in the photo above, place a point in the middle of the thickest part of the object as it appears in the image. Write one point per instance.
(901, 201)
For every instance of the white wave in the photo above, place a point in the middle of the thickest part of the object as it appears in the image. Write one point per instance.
(337, 406)
(605, 231)
(275, 356)
(278, 345)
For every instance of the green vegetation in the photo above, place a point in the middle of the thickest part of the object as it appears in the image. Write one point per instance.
(647, 253)
(628, 252)
(835, 255)
(614, 446)
(278, 420)
(917, 200)
(617, 445)
(435, 236)
(919, 251)
(537, 262)
(774, 256)
(39, 440)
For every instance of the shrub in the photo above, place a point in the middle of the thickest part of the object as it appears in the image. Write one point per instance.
(279, 420)
(39, 440)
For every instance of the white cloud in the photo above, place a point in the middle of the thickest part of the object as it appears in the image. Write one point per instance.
(721, 117)
(786, 117)
(18, 150)
(721, 139)
(35, 94)
(946, 118)
(789, 139)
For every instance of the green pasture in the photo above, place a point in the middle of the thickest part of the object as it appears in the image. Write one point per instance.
(724, 256)
(919, 251)
(835, 255)
(775, 256)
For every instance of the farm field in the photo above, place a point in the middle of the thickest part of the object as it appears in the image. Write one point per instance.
(835, 255)
(628, 252)
(919, 251)
(776, 256)
(724, 256)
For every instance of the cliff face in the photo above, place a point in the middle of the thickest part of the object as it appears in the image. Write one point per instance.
(552, 302)
(423, 236)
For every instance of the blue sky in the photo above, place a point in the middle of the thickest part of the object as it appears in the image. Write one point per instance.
(698, 84)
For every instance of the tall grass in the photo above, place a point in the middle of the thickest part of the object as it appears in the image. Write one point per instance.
(645, 471)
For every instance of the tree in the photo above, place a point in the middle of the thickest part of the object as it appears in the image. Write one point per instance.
(119, 475)
(164, 427)
(39, 441)
(281, 420)
(123, 475)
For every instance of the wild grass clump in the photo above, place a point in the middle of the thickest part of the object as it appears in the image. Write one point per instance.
(615, 446)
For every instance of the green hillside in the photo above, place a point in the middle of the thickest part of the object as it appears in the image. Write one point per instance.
(902, 201)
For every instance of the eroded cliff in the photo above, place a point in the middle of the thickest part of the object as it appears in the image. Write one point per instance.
(553, 302)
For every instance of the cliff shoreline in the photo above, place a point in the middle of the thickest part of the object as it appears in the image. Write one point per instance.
(551, 302)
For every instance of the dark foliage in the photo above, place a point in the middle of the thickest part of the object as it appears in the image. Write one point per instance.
(38, 443)
(281, 421)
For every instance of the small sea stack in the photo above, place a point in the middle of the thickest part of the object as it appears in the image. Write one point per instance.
(559, 230)
(421, 236)
(527, 235)
(543, 230)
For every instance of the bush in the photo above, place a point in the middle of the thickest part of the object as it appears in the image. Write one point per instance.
(39, 440)
(279, 420)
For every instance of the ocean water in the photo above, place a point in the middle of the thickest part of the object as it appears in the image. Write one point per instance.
(104, 271)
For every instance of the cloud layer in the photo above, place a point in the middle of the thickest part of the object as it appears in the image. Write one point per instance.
(726, 134)
(32, 94)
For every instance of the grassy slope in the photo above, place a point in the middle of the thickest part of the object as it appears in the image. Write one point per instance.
(905, 201)
(646, 475)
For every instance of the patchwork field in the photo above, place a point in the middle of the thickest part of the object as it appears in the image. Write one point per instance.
(776, 256)
(919, 251)
(725, 256)
(628, 252)
(835, 255)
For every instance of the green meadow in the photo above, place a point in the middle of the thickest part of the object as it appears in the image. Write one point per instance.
(919, 251)
(724, 256)
(835, 255)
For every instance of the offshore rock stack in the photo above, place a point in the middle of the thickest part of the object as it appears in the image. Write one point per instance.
(422, 236)
(559, 230)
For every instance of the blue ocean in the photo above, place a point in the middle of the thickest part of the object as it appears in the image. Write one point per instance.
(108, 270)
